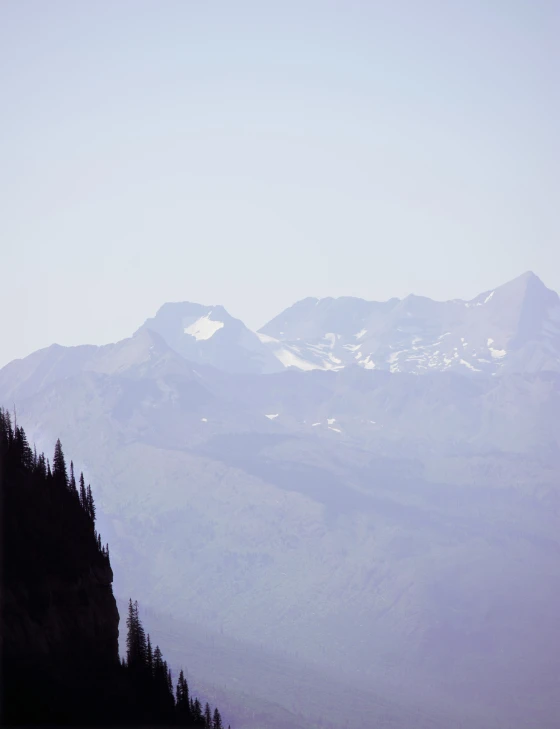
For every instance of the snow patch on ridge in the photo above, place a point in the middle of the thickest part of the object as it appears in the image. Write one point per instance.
(470, 304)
(204, 328)
(289, 359)
(469, 365)
(497, 353)
(265, 339)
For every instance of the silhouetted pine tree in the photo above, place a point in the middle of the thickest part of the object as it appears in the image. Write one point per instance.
(72, 485)
(41, 468)
(83, 494)
(90, 505)
(6, 431)
(217, 720)
(149, 657)
(183, 706)
(136, 646)
(131, 635)
(59, 472)
(207, 716)
(22, 453)
(196, 712)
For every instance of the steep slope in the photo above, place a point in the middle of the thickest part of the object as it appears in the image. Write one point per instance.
(144, 353)
(225, 666)
(209, 335)
(59, 616)
(59, 619)
(514, 328)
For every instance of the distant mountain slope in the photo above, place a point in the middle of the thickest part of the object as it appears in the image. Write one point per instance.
(381, 525)
(132, 381)
(514, 328)
(209, 335)
(138, 356)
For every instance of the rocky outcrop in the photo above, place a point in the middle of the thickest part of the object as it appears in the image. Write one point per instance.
(63, 618)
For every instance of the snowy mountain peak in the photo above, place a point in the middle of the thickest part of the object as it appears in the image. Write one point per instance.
(210, 335)
(515, 326)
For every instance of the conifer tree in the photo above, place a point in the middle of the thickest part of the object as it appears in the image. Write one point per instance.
(183, 703)
(6, 432)
(142, 648)
(83, 494)
(217, 720)
(136, 640)
(41, 467)
(207, 716)
(90, 504)
(22, 453)
(130, 639)
(196, 711)
(158, 661)
(149, 653)
(72, 484)
(59, 472)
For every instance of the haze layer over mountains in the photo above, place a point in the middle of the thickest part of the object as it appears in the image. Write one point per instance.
(369, 489)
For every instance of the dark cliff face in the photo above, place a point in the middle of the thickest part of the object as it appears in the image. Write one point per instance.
(59, 640)
(62, 617)
(59, 616)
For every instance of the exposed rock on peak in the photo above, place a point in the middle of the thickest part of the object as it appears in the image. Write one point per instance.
(515, 327)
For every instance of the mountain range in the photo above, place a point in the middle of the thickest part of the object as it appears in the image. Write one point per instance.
(368, 489)
(513, 328)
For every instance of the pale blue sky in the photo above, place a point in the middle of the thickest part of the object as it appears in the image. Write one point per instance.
(254, 153)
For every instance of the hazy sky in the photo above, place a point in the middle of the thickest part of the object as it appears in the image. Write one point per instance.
(254, 153)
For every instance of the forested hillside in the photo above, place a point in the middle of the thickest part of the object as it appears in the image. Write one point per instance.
(60, 661)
